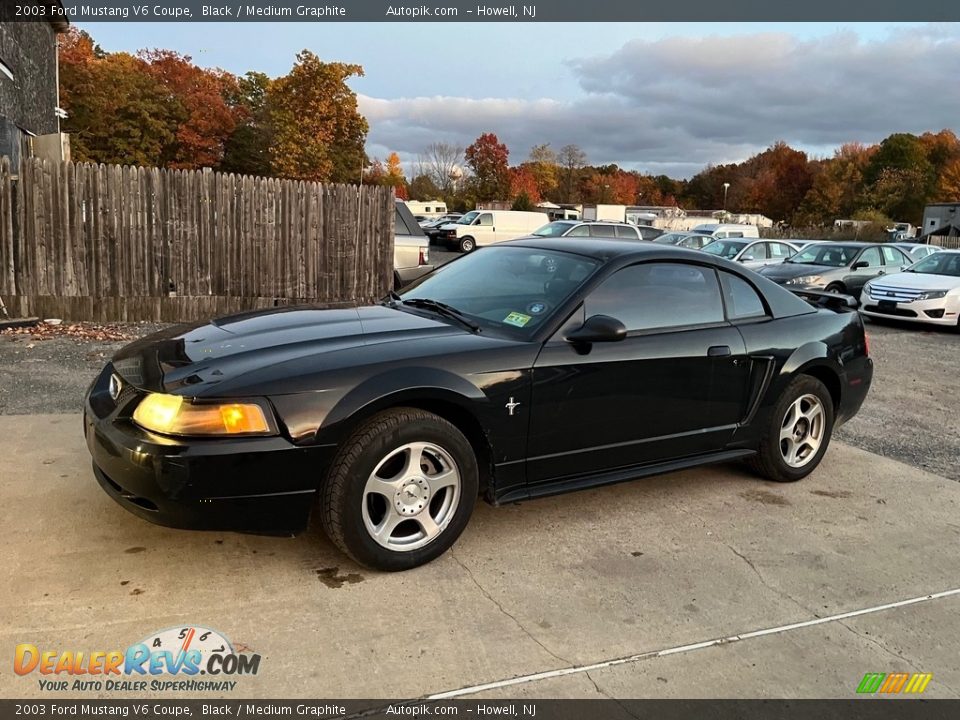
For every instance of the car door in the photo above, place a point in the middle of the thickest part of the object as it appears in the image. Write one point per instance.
(649, 397)
(894, 260)
(754, 255)
(484, 231)
(867, 265)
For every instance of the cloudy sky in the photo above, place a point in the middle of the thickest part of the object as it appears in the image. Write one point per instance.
(658, 97)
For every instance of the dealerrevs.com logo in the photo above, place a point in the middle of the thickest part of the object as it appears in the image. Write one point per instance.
(177, 659)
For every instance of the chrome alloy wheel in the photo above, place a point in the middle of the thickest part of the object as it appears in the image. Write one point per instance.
(411, 496)
(802, 431)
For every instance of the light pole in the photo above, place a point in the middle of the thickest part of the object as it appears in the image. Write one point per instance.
(726, 186)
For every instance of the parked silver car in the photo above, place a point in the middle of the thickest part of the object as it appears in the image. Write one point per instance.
(752, 253)
(411, 248)
(597, 228)
(842, 267)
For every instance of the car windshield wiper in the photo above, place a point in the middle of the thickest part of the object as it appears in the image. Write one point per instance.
(442, 309)
(391, 298)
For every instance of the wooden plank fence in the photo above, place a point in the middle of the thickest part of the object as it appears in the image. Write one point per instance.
(106, 242)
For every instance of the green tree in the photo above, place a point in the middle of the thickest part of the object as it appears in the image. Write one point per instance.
(523, 202)
(318, 133)
(247, 150)
(423, 188)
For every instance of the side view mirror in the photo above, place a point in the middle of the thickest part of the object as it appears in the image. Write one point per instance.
(859, 264)
(599, 328)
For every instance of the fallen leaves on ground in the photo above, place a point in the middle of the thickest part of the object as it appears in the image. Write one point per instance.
(77, 331)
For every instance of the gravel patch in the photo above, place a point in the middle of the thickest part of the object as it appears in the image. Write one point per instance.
(49, 369)
(912, 413)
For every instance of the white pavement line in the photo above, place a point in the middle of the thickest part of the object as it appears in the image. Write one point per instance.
(579, 669)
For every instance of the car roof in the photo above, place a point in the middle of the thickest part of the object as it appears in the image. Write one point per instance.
(603, 248)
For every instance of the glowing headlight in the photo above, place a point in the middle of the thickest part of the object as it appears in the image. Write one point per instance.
(804, 280)
(175, 415)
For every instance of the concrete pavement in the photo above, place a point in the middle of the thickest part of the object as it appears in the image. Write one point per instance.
(543, 586)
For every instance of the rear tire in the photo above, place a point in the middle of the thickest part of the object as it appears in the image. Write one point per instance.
(467, 244)
(400, 490)
(798, 432)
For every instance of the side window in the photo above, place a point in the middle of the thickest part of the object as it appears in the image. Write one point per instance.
(626, 232)
(580, 231)
(400, 227)
(486, 220)
(741, 299)
(893, 256)
(779, 250)
(871, 256)
(604, 231)
(755, 252)
(655, 296)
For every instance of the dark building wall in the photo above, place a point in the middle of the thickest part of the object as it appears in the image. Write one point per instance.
(29, 100)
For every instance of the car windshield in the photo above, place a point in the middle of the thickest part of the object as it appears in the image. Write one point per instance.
(940, 263)
(512, 290)
(670, 238)
(826, 255)
(725, 248)
(468, 218)
(554, 229)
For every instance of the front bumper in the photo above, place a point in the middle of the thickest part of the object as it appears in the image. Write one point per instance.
(941, 311)
(265, 485)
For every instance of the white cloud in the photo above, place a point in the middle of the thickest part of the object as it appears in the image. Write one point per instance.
(676, 104)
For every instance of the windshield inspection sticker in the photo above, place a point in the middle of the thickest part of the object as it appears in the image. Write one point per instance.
(518, 319)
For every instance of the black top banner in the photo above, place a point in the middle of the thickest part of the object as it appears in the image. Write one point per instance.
(80, 11)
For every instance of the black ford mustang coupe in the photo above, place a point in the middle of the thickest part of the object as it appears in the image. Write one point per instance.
(524, 369)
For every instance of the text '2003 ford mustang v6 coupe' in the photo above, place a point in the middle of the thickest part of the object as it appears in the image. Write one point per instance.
(525, 369)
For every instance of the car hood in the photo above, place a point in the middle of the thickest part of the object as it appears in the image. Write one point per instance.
(788, 270)
(193, 359)
(918, 281)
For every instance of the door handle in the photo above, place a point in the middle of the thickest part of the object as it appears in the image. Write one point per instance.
(719, 351)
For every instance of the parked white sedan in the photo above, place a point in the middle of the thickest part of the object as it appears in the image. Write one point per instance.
(752, 253)
(928, 292)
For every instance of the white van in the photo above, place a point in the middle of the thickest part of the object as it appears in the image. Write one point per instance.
(485, 227)
(721, 230)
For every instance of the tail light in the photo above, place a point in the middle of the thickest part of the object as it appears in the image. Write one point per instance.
(424, 256)
(866, 344)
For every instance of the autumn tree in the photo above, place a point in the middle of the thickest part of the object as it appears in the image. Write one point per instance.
(523, 181)
(318, 133)
(570, 160)
(487, 157)
(394, 176)
(202, 94)
(544, 169)
(948, 186)
(117, 112)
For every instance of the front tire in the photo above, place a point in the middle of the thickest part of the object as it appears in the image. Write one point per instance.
(467, 244)
(836, 287)
(798, 432)
(400, 490)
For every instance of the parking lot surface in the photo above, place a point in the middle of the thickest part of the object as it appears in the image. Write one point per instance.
(705, 583)
(528, 594)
